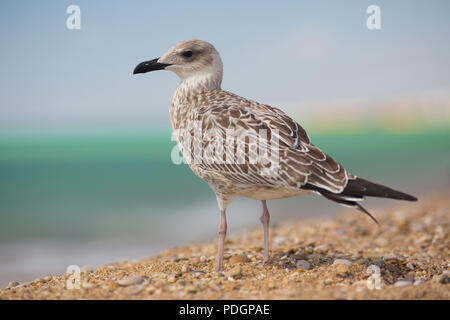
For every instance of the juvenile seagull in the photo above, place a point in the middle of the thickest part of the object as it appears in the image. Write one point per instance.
(301, 168)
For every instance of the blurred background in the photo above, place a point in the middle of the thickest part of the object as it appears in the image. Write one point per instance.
(86, 176)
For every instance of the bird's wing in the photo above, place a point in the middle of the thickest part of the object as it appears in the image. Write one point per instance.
(223, 115)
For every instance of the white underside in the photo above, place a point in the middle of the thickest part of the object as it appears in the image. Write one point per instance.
(272, 194)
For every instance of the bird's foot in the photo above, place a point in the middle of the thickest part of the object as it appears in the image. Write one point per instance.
(219, 268)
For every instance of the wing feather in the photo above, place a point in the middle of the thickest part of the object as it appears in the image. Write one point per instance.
(300, 162)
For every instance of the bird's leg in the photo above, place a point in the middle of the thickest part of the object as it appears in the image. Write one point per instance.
(265, 219)
(222, 235)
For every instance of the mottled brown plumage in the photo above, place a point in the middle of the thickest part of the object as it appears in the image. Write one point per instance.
(244, 148)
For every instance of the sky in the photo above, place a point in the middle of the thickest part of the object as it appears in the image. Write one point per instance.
(285, 54)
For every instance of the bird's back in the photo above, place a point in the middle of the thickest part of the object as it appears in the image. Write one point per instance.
(249, 147)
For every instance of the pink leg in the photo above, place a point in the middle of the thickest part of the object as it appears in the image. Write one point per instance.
(222, 234)
(265, 220)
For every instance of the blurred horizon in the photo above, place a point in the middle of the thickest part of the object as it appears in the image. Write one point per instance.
(318, 53)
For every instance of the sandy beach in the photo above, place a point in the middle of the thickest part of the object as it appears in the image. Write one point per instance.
(349, 257)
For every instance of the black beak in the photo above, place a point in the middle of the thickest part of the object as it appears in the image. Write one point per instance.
(148, 66)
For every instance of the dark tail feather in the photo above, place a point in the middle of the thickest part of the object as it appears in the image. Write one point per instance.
(356, 190)
(363, 210)
(360, 187)
(349, 203)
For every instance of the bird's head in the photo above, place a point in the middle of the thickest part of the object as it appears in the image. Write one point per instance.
(188, 59)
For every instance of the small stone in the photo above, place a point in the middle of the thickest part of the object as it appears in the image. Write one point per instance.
(392, 268)
(322, 248)
(13, 284)
(303, 264)
(150, 290)
(184, 269)
(342, 269)
(47, 278)
(280, 240)
(129, 281)
(182, 282)
(442, 278)
(409, 278)
(410, 266)
(198, 273)
(134, 290)
(345, 262)
(390, 256)
(445, 279)
(191, 289)
(299, 256)
(236, 272)
(171, 279)
(327, 281)
(238, 259)
(418, 281)
(203, 259)
(403, 283)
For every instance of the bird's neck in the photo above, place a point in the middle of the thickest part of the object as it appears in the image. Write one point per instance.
(201, 81)
(188, 92)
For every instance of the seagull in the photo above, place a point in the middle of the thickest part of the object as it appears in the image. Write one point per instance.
(221, 135)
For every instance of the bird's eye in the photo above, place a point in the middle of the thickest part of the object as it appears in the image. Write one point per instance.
(188, 53)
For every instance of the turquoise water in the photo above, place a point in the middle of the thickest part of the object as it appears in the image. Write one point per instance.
(88, 185)
(92, 197)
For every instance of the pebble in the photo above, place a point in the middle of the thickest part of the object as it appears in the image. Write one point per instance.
(392, 268)
(238, 259)
(403, 283)
(299, 256)
(441, 278)
(344, 262)
(171, 279)
(129, 281)
(181, 282)
(342, 269)
(184, 269)
(280, 240)
(322, 248)
(445, 279)
(410, 266)
(303, 264)
(134, 290)
(418, 281)
(235, 272)
(390, 256)
(13, 284)
(198, 272)
(203, 259)
(409, 278)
